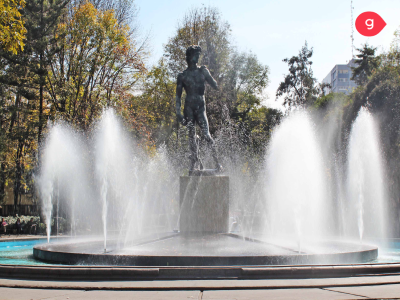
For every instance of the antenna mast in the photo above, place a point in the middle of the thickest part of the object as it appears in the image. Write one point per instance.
(352, 30)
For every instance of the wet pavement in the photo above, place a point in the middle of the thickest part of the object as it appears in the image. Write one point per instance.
(353, 292)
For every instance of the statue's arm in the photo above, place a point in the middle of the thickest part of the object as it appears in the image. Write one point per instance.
(211, 81)
(179, 89)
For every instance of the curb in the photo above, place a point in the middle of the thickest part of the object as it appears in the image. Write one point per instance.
(106, 273)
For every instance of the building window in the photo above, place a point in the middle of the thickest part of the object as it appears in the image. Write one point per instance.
(342, 79)
(344, 72)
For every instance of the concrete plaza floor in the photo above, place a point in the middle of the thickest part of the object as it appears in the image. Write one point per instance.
(11, 289)
(359, 292)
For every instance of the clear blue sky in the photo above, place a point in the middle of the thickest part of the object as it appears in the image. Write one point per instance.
(274, 30)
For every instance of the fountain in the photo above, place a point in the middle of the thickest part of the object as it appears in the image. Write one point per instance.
(127, 181)
(135, 191)
(115, 168)
(365, 183)
(296, 182)
(63, 174)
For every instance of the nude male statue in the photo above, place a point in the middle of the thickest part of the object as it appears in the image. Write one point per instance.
(193, 80)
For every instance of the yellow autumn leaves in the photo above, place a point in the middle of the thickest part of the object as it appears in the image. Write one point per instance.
(12, 30)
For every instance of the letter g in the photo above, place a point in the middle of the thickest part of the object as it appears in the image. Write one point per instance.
(369, 23)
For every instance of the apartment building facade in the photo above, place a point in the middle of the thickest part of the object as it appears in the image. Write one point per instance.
(339, 79)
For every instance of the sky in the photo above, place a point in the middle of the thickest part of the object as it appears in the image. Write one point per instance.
(274, 30)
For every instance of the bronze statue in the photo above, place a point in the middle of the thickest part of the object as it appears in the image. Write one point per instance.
(193, 80)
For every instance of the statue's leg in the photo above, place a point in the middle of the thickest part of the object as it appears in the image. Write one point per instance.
(202, 120)
(193, 148)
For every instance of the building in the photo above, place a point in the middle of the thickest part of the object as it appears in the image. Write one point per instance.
(339, 79)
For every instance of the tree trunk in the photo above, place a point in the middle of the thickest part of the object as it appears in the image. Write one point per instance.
(41, 77)
(2, 180)
(40, 101)
(18, 176)
(2, 171)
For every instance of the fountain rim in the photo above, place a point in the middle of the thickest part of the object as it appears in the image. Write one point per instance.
(118, 273)
(89, 255)
(114, 273)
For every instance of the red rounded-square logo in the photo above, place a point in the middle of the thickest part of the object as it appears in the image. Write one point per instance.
(369, 23)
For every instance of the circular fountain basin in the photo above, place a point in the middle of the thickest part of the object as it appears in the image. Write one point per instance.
(176, 249)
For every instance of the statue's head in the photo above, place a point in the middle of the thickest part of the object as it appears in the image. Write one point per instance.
(193, 53)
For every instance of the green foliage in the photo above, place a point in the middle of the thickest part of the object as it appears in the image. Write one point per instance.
(331, 99)
(95, 68)
(261, 122)
(298, 87)
(380, 93)
(77, 60)
(245, 82)
(41, 228)
(204, 27)
(23, 80)
(151, 114)
(367, 62)
(393, 56)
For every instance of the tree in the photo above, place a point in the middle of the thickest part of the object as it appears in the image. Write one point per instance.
(42, 19)
(298, 87)
(367, 62)
(125, 11)
(96, 67)
(151, 114)
(12, 30)
(325, 101)
(204, 27)
(393, 56)
(240, 76)
(84, 55)
(18, 148)
(24, 77)
(381, 94)
(245, 82)
(322, 88)
(260, 123)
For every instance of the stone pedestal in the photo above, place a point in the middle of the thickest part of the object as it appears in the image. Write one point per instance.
(204, 203)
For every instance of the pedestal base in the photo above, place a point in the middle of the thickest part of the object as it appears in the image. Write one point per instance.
(204, 202)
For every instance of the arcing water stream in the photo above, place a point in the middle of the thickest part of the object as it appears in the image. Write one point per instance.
(108, 185)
